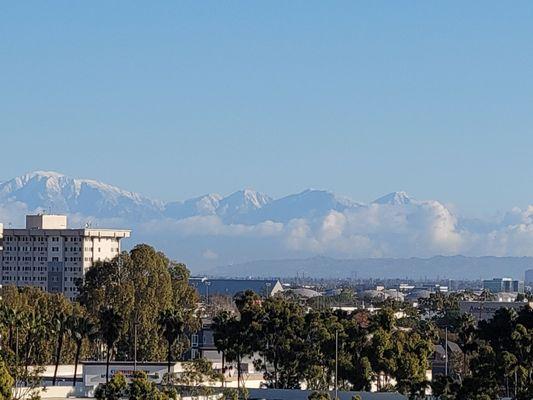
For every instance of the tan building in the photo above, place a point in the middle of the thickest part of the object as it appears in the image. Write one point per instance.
(48, 255)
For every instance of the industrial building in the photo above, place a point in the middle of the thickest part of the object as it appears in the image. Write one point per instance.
(230, 287)
(503, 285)
(485, 310)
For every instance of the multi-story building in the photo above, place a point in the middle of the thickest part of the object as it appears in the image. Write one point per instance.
(529, 277)
(52, 257)
(503, 285)
(484, 310)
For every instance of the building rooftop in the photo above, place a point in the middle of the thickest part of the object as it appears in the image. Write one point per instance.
(231, 287)
(38, 224)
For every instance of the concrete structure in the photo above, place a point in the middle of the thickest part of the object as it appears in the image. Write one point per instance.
(48, 255)
(505, 285)
(94, 372)
(483, 310)
(529, 278)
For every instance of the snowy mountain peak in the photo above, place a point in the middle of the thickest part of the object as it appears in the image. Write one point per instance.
(42, 174)
(241, 203)
(62, 194)
(248, 198)
(394, 199)
(49, 190)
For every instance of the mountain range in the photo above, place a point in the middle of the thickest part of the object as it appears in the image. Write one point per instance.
(58, 193)
(234, 230)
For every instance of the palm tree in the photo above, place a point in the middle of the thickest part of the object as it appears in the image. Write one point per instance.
(36, 329)
(13, 320)
(80, 327)
(172, 325)
(111, 324)
(60, 321)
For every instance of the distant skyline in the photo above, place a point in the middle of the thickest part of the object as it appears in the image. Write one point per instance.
(174, 100)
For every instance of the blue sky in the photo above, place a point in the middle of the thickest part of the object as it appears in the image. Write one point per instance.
(175, 99)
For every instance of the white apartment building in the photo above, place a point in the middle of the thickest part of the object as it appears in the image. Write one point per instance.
(52, 257)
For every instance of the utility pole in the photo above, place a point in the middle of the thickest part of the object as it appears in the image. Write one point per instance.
(336, 364)
(207, 284)
(446, 349)
(135, 345)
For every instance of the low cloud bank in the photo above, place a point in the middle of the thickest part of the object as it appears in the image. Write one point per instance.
(418, 229)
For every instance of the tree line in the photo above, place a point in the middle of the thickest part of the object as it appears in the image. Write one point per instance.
(294, 346)
(138, 305)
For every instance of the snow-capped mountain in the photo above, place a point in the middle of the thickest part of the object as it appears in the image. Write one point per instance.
(51, 191)
(241, 203)
(247, 225)
(230, 209)
(394, 199)
(58, 193)
(203, 205)
(308, 204)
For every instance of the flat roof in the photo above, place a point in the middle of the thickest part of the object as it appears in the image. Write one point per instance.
(154, 363)
(90, 232)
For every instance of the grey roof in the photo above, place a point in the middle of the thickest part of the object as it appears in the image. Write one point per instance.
(230, 287)
(305, 292)
(439, 349)
(454, 347)
(418, 294)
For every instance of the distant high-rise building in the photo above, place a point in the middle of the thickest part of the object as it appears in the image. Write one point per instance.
(48, 255)
(503, 285)
(529, 277)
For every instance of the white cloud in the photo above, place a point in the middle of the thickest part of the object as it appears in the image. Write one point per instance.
(421, 228)
(210, 225)
(425, 228)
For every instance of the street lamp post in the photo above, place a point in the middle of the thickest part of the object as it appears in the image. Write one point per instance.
(446, 350)
(207, 284)
(135, 345)
(336, 364)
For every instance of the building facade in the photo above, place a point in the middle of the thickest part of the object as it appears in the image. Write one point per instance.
(503, 285)
(485, 310)
(48, 255)
(529, 277)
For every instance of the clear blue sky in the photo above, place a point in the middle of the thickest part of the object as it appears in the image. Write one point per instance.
(175, 99)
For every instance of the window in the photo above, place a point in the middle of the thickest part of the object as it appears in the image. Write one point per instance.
(194, 340)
